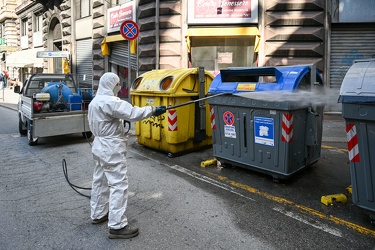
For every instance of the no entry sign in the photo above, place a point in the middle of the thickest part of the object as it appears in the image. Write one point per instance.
(129, 30)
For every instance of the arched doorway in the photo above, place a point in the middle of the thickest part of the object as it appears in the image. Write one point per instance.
(55, 44)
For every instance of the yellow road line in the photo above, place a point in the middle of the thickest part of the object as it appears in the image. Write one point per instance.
(304, 209)
(329, 147)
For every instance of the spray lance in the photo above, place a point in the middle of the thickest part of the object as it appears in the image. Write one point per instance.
(198, 100)
(65, 169)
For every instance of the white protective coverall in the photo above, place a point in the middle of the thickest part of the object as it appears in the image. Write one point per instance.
(110, 183)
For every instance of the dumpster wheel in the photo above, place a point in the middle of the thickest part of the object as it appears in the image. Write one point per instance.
(276, 179)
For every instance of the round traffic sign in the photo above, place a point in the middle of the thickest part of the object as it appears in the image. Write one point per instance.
(129, 30)
(228, 118)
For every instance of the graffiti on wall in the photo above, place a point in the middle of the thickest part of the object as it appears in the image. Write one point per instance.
(353, 55)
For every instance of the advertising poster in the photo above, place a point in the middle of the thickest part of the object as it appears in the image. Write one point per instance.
(222, 11)
(119, 14)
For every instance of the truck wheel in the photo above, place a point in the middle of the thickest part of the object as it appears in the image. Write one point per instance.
(31, 140)
(21, 127)
(87, 134)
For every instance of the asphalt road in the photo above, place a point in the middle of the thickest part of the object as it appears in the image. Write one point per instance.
(7, 121)
(176, 203)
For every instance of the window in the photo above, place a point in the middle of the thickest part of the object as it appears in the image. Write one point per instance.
(1, 30)
(38, 23)
(2, 39)
(83, 8)
(23, 27)
(215, 53)
(37, 83)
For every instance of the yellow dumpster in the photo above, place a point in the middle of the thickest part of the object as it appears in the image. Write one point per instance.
(183, 128)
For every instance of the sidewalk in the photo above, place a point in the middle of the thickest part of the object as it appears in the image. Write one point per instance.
(8, 98)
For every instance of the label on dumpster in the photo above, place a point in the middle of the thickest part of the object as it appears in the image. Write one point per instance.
(246, 86)
(264, 131)
(229, 131)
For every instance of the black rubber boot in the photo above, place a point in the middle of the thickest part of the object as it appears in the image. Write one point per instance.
(124, 233)
(97, 221)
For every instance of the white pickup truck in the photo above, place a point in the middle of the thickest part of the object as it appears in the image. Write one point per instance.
(50, 105)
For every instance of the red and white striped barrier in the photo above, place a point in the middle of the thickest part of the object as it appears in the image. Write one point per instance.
(287, 128)
(172, 120)
(352, 138)
(212, 117)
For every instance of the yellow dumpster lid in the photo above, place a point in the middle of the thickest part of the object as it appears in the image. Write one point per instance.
(167, 81)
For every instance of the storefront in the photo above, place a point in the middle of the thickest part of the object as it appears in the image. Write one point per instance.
(219, 48)
(20, 64)
(348, 43)
(352, 37)
(121, 53)
(122, 61)
(231, 40)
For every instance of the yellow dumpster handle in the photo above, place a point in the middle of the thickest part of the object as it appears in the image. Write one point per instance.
(198, 100)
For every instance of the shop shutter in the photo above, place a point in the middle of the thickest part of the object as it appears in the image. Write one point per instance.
(120, 54)
(85, 63)
(349, 44)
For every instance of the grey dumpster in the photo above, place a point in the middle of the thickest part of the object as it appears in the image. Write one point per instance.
(357, 95)
(260, 126)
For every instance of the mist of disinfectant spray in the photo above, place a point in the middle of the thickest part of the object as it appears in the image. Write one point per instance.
(318, 97)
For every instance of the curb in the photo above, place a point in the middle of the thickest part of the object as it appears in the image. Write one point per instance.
(9, 106)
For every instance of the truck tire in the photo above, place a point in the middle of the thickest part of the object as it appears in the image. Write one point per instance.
(31, 140)
(21, 127)
(87, 134)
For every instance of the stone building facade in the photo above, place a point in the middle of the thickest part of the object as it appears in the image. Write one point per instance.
(182, 33)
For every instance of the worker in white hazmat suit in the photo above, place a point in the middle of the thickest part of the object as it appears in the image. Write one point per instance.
(110, 182)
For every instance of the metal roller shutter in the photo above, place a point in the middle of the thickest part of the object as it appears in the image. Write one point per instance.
(85, 63)
(120, 54)
(347, 45)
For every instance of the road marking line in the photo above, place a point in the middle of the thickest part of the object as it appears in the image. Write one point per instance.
(330, 147)
(316, 224)
(232, 184)
(306, 210)
(197, 176)
(208, 180)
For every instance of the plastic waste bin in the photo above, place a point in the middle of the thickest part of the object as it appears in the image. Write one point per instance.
(180, 129)
(357, 95)
(263, 126)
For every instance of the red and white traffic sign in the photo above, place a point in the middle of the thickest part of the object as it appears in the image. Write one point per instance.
(129, 30)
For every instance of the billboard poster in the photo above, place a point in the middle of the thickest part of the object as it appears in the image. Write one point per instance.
(222, 11)
(119, 14)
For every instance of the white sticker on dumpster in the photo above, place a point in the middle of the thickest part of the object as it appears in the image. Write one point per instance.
(264, 131)
(229, 131)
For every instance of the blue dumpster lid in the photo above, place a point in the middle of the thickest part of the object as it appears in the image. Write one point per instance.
(282, 78)
(358, 85)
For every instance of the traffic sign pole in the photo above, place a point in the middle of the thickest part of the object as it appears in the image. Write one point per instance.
(130, 31)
